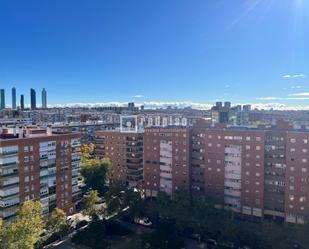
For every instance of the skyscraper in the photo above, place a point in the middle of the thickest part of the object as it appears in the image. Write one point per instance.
(33, 98)
(44, 99)
(13, 98)
(2, 96)
(22, 102)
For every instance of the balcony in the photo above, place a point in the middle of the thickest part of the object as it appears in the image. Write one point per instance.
(232, 193)
(134, 177)
(135, 172)
(6, 164)
(8, 153)
(10, 182)
(44, 192)
(135, 161)
(9, 172)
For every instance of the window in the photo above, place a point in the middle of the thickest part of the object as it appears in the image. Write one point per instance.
(293, 140)
(258, 147)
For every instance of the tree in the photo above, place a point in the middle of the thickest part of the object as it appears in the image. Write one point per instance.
(26, 230)
(1, 233)
(95, 172)
(164, 237)
(182, 208)
(113, 205)
(91, 200)
(57, 221)
(87, 153)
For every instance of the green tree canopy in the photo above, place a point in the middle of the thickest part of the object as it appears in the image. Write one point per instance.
(91, 200)
(26, 230)
(94, 171)
(57, 221)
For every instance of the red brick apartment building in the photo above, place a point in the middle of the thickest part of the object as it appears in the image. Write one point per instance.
(166, 159)
(125, 150)
(36, 164)
(261, 172)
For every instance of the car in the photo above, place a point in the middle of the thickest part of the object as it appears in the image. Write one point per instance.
(143, 221)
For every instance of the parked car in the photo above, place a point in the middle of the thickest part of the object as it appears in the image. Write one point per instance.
(143, 221)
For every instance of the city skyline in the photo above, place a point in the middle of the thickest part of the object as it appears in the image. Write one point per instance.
(10, 101)
(159, 52)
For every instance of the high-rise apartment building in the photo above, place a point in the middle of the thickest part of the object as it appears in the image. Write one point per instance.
(297, 177)
(228, 165)
(32, 99)
(125, 150)
(166, 159)
(22, 102)
(37, 164)
(2, 99)
(258, 172)
(44, 98)
(13, 98)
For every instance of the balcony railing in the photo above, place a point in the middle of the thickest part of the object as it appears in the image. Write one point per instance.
(8, 153)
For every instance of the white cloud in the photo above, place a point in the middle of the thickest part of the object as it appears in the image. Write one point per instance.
(300, 94)
(195, 105)
(268, 98)
(138, 96)
(279, 106)
(287, 76)
(296, 87)
(296, 97)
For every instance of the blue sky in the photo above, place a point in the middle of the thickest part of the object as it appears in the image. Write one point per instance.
(162, 50)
